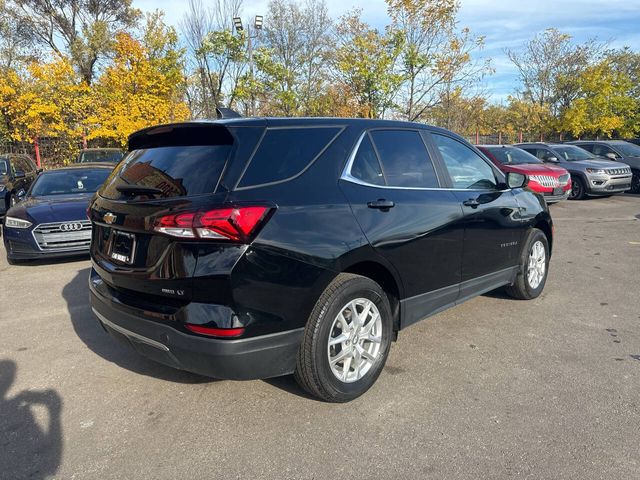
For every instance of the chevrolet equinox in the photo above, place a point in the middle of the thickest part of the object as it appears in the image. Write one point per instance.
(253, 248)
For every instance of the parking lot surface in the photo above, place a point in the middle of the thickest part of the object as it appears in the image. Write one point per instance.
(494, 388)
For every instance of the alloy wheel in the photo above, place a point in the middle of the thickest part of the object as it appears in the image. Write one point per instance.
(355, 339)
(576, 189)
(537, 265)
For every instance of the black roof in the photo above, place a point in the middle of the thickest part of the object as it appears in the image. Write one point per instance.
(136, 139)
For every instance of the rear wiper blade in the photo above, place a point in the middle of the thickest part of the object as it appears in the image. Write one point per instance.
(138, 190)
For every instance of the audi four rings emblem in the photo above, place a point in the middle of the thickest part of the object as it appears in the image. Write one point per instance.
(69, 227)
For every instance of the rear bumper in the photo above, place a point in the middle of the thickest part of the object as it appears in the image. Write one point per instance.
(234, 359)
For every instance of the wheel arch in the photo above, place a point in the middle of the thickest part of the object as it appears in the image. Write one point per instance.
(385, 278)
(547, 228)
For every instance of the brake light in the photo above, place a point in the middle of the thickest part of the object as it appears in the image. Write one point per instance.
(215, 332)
(233, 223)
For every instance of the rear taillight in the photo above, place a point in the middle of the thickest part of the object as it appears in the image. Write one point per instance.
(215, 332)
(233, 223)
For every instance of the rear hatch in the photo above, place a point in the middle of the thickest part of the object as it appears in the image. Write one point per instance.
(162, 201)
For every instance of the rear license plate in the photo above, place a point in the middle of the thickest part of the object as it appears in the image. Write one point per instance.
(558, 191)
(123, 247)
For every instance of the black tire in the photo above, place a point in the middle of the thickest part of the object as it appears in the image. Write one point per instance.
(521, 289)
(635, 182)
(313, 371)
(577, 189)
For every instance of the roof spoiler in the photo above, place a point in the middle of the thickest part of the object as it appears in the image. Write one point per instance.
(222, 112)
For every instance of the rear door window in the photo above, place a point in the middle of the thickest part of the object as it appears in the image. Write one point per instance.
(404, 158)
(285, 153)
(175, 170)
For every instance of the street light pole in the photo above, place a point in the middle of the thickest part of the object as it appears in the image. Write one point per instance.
(257, 26)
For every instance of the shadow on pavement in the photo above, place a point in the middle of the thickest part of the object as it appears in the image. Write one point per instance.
(88, 329)
(26, 449)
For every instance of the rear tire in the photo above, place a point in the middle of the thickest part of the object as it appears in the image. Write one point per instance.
(342, 355)
(534, 267)
(635, 182)
(577, 189)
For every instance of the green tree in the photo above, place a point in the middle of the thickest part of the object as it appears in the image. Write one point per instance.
(366, 64)
(436, 59)
(82, 29)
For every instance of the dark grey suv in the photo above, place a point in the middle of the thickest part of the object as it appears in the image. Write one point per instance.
(619, 151)
(590, 175)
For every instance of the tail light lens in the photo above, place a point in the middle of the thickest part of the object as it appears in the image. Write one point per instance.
(237, 224)
(215, 332)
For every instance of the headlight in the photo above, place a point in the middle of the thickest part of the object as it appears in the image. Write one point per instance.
(12, 222)
(595, 170)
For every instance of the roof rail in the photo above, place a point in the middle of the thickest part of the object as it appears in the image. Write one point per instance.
(227, 113)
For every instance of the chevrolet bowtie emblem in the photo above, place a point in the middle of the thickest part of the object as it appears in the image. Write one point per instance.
(109, 218)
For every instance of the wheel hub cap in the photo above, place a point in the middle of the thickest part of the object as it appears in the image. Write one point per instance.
(354, 340)
(537, 265)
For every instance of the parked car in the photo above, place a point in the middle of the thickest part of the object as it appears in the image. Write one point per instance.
(253, 248)
(52, 221)
(619, 151)
(550, 181)
(94, 155)
(17, 173)
(590, 175)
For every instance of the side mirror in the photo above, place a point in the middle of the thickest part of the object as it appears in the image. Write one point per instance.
(517, 180)
(20, 195)
(551, 159)
(19, 174)
(611, 156)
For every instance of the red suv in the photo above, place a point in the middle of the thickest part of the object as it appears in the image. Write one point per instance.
(554, 183)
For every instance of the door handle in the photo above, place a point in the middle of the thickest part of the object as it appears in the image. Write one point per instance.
(381, 204)
(472, 202)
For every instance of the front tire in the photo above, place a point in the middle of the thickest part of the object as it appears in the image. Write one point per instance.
(534, 267)
(577, 189)
(346, 341)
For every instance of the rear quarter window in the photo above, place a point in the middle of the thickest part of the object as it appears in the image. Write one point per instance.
(284, 153)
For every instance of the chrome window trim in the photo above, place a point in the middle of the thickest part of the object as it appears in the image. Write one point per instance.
(347, 177)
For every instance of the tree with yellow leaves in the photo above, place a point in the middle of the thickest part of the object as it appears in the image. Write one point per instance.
(605, 105)
(143, 85)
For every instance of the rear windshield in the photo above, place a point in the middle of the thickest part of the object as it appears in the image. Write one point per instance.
(68, 182)
(285, 153)
(176, 171)
(511, 155)
(112, 156)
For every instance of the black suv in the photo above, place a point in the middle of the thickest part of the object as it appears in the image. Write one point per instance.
(254, 248)
(17, 173)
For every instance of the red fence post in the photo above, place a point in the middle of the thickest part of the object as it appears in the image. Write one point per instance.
(37, 149)
(499, 138)
(477, 137)
(520, 137)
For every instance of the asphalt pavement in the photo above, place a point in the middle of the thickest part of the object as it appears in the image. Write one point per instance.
(495, 388)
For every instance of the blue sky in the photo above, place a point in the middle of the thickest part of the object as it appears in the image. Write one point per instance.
(504, 23)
